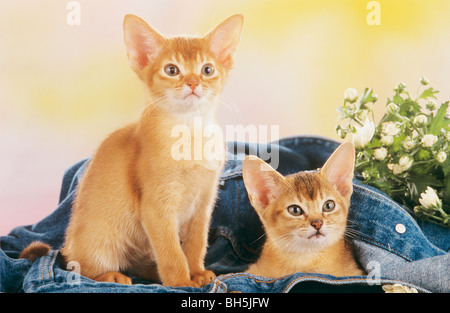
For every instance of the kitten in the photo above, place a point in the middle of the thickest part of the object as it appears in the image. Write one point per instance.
(304, 216)
(137, 209)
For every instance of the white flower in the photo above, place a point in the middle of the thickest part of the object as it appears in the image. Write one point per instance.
(404, 164)
(424, 81)
(397, 288)
(391, 129)
(387, 140)
(392, 108)
(405, 161)
(401, 86)
(380, 154)
(420, 120)
(364, 134)
(351, 95)
(429, 140)
(441, 157)
(366, 174)
(362, 115)
(429, 199)
(431, 105)
(408, 143)
(397, 169)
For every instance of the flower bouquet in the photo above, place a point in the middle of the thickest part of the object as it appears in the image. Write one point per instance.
(406, 154)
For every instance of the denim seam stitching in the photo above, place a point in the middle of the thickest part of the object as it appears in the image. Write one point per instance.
(42, 269)
(254, 278)
(388, 248)
(50, 266)
(218, 283)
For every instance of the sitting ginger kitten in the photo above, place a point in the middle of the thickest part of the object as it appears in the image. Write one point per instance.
(304, 216)
(138, 209)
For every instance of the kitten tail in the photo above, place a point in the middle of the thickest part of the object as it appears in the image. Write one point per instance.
(35, 250)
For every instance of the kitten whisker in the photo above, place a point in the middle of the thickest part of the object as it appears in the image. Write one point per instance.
(257, 239)
(352, 233)
(153, 104)
(283, 241)
(227, 102)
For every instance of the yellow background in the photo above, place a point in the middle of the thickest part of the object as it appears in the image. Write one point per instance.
(64, 88)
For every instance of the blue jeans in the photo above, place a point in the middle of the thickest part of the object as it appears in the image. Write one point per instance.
(391, 245)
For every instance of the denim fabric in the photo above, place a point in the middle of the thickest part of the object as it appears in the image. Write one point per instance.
(417, 255)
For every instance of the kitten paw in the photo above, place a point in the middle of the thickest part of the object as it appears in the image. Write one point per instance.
(114, 277)
(183, 283)
(203, 278)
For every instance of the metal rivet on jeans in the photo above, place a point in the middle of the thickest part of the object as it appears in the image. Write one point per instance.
(400, 228)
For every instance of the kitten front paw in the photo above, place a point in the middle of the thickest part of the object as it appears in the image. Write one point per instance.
(203, 278)
(114, 277)
(183, 283)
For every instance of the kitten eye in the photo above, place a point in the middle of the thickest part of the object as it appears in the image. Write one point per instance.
(295, 210)
(208, 69)
(171, 70)
(328, 206)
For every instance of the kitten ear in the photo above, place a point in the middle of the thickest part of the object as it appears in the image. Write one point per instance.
(224, 39)
(339, 169)
(142, 42)
(262, 182)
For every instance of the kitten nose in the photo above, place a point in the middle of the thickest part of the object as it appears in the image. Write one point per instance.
(193, 83)
(317, 224)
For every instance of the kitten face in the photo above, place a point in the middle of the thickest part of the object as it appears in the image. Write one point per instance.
(187, 76)
(182, 74)
(306, 210)
(309, 214)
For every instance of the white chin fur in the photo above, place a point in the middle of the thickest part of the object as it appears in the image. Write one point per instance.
(187, 104)
(307, 242)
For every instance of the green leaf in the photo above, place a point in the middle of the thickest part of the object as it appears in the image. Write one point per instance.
(409, 108)
(397, 145)
(374, 143)
(428, 93)
(398, 99)
(440, 120)
(422, 169)
(366, 97)
(446, 190)
(446, 167)
(422, 155)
